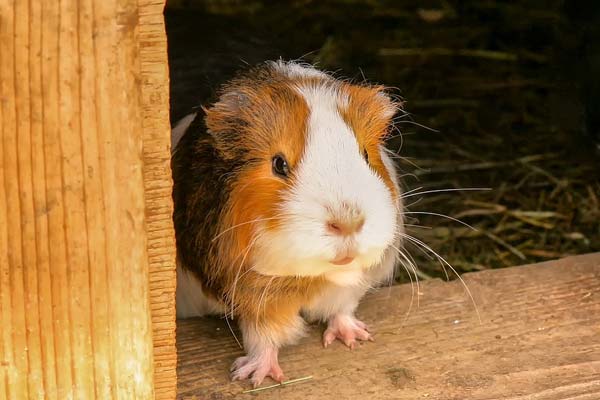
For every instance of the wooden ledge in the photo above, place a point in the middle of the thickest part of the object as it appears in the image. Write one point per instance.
(539, 338)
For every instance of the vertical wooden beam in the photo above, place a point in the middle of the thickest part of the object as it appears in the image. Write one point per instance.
(85, 201)
(158, 185)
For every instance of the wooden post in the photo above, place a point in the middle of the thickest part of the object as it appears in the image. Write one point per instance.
(86, 243)
(158, 189)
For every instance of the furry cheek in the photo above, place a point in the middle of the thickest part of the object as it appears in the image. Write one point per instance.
(282, 252)
(251, 210)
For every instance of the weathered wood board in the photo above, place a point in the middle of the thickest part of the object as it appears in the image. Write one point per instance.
(539, 338)
(154, 72)
(87, 252)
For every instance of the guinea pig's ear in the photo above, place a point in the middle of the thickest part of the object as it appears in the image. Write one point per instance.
(225, 120)
(234, 101)
(228, 110)
(370, 111)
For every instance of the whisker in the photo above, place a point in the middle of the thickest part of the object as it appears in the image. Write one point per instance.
(405, 133)
(260, 300)
(445, 271)
(417, 270)
(394, 152)
(441, 259)
(411, 191)
(444, 190)
(418, 226)
(406, 121)
(444, 216)
(278, 216)
(237, 276)
(413, 268)
(417, 201)
(412, 286)
(395, 155)
(415, 177)
(431, 258)
(231, 330)
(399, 135)
(266, 177)
(398, 118)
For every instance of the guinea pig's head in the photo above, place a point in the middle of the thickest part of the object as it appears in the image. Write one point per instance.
(313, 192)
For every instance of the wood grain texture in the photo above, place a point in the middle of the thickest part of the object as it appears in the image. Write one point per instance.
(158, 190)
(539, 338)
(86, 243)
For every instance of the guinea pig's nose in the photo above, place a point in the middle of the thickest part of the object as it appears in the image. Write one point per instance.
(345, 228)
(346, 222)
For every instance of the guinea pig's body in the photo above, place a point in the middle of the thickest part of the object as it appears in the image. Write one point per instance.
(287, 208)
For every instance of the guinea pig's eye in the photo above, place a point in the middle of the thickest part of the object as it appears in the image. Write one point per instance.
(280, 166)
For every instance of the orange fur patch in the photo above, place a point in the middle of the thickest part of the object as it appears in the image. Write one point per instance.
(272, 117)
(280, 129)
(366, 115)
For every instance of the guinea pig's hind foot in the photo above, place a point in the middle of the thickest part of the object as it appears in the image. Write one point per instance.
(346, 328)
(257, 367)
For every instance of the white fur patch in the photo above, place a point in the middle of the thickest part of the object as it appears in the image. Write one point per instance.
(190, 300)
(344, 298)
(295, 70)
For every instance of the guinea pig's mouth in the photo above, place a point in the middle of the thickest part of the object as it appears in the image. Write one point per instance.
(344, 257)
(342, 261)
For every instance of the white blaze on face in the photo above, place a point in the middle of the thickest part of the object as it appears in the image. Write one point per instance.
(331, 177)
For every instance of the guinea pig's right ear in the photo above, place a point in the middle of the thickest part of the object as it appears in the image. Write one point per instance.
(226, 118)
(228, 110)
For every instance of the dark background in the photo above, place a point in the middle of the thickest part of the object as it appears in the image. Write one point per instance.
(501, 95)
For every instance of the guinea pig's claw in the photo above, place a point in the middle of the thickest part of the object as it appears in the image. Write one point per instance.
(347, 329)
(257, 368)
(277, 376)
(238, 364)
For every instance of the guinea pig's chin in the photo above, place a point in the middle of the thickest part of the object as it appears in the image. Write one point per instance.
(343, 275)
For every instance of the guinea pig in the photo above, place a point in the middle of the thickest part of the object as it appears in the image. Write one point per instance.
(287, 208)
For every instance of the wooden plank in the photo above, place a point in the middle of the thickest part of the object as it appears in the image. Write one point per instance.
(76, 233)
(539, 338)
(158, 189)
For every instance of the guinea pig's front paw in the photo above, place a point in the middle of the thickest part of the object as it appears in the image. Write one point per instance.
(346, 328)
(257, 367)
